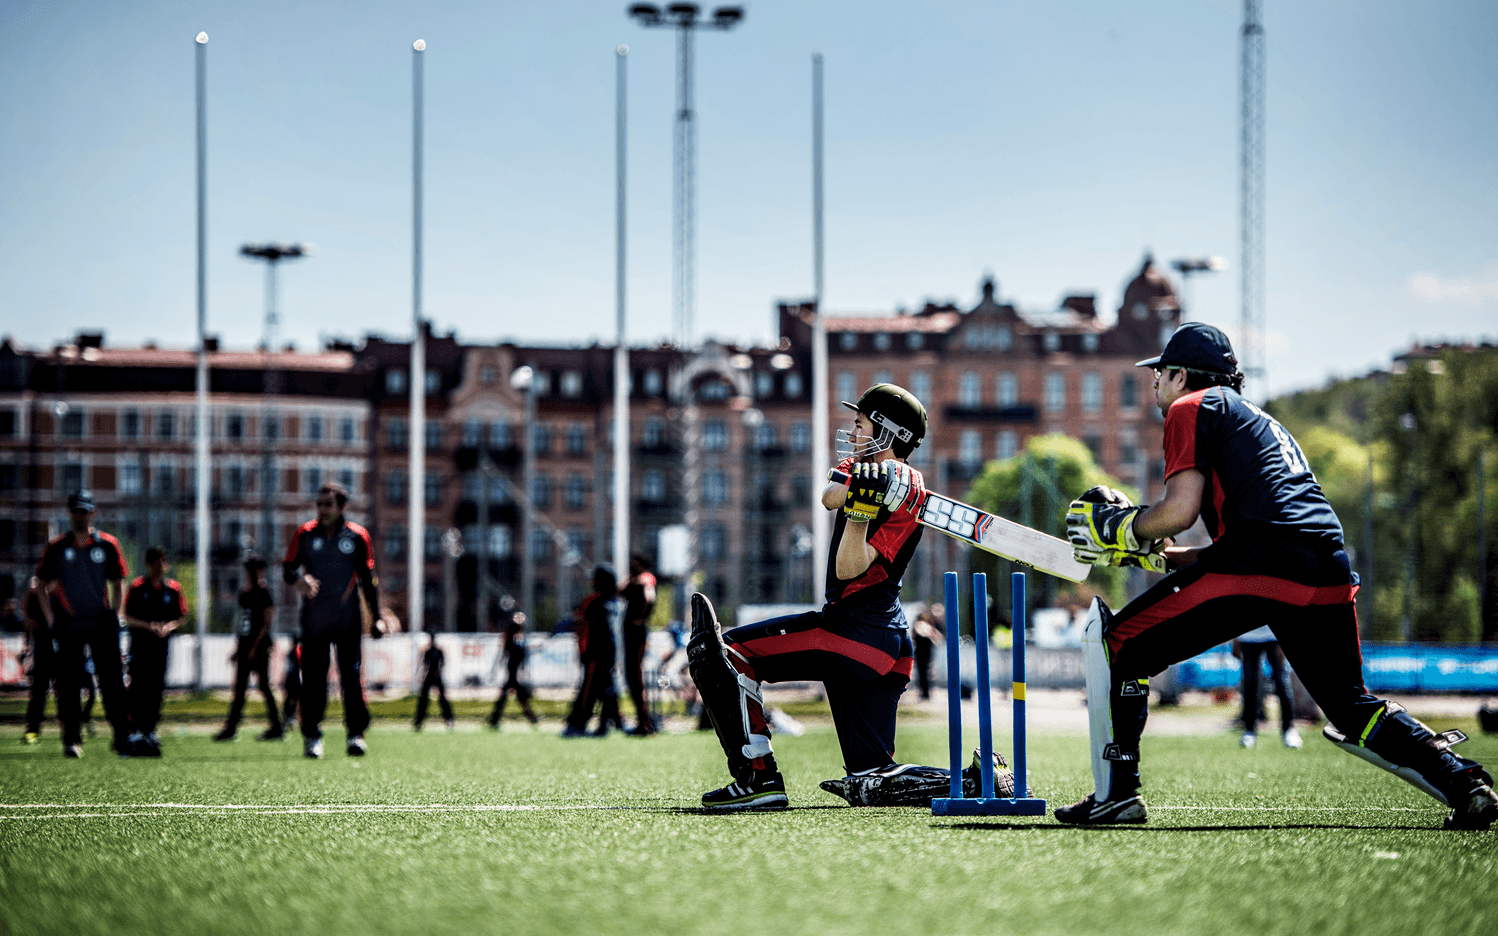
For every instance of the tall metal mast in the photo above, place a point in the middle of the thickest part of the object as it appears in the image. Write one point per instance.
(821, 458)
(686, 19)
(416, 495)
(201, 442)
(621, 347)
(1251, 199)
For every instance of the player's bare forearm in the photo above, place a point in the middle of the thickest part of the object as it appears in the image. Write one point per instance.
(854, 554)
(834, 495)
(1181, 556)
(1176, 511)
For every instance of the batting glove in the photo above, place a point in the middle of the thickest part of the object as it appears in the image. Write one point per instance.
(1102, 521)
(905, 486)
(866, 491)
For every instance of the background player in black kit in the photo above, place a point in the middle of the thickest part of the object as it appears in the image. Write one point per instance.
(514, 660)
(153, 609)
(1276, 558)
(639, 600)
(330, 561)
(84, 571)
(432, 661)
(252, 652)
(857, 645)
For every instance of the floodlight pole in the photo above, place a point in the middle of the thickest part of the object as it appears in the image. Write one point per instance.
(202, 452)
(621, 348)
(416, 494)
(821, 461)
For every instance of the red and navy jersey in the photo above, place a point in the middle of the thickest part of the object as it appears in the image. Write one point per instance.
(1259, 484)
(342, 561)
(146, 602)
(874, 596)
(83, 571)
(637, 608)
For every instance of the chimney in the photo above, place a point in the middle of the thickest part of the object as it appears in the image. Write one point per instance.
(90, 340)
(1085, 306)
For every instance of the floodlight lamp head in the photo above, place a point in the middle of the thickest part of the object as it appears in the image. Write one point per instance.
(647, 13)
(202, 38)
(727, 17)
(685, 14)
(522, 378)
(622, 51)
(420, 45)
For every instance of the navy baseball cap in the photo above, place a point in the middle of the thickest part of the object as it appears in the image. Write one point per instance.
(1198, 346)
(81, 500)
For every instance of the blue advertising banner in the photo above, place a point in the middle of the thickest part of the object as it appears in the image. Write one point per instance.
(1386, 668)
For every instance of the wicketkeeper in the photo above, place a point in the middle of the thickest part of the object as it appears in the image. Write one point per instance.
(1276, 557)
(858, 644)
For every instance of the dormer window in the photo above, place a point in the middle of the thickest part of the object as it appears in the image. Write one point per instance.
(1051, 341)
(848, 341)
(915, 340)
(1089, 343)
(881, 341)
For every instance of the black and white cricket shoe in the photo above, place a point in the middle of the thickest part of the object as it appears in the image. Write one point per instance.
(1476, 811)
(751, 790)
(1109, 812)
(356, 746)
(917, 785)
(312, 747)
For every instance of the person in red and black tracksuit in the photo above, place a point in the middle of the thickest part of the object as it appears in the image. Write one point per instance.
(1276, 558)
(252, 653)
(153, 609)
(639, 600)
(597, 649)
(514, 660)
(83, 572)
(330, 562)
(858, 644)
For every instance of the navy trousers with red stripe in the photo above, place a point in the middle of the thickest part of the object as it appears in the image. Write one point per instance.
(865, 668)
(1307, 602)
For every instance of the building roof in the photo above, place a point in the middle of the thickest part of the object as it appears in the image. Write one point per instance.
(218, 360)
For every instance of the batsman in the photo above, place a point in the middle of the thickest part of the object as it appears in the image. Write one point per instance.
(1276, 558)
(858, 644)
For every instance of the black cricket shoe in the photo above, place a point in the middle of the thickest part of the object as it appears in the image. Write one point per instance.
(752, 789)
(1477, 810)
(1109, 812)
(228, 734)
(273, 734)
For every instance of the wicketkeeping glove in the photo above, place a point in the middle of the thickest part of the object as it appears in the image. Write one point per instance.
(1100, 522)
(867, 489)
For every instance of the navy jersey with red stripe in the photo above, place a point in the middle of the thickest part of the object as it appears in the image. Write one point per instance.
(874, 596)
(1258, 482)
(342, 561)
(145, 602)
(83, 571)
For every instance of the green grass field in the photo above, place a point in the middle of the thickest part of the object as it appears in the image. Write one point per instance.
(523, 832)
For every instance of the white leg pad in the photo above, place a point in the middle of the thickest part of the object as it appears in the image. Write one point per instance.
(758, 745)
(1099, 688)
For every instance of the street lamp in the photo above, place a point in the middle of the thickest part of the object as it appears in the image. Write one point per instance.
(686, 19)
(272, 255)
(523, 380)
(1189, 266)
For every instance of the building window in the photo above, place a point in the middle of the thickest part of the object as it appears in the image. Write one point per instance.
(921, 457)
(501, 436)
(541, 438)
(431, 543)
(1092, 392)
(764, 384)
(848, 341)
(800, 437)
(271, 426)
(71, 426)
(970, 447)
(8, 481)
(576, 492)
(881, 341)
(395, 433)
(395, 381)
(713, 391)
(1006, 338)
(715, 436)
(472, 429)
(431, 484)
(1128, 392)
(920, 385)
(1128, 447)
(1094, 444)
(488, 374)
(72, 479)
(654, 434)
(1008, 444)
(130, 424)
(395, 487)
(1166, 330)
(847, 386)
(346, 429)
(540, 545)
(314, 428)
(233, 426)
(395, 541)
(314, 479)
(572, 384)
(541, 490)
(1055, 393)
(714, 488)
(130, 478)
(766, 437)
(793, 386)
(972, 338)
(883, 376)
(653, 486)
(801, 490)
(346, 478)
(434, 381)
(164, 474)
(433, 435)
(577, 439)
(1089, 342)
(915, 340)
(166, 425)
(1006, 390)
(970, 390)
(653, 383)
(1051, 341)
(501, 542)
(714, 542)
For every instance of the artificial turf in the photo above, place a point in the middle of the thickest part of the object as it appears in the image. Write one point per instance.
(524, 832)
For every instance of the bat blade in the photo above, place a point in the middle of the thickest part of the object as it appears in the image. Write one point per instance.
(1005, 538)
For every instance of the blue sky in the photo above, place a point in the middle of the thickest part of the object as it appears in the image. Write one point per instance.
(1051, 144)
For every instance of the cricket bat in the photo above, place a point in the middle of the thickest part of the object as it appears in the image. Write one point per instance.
(1001, 537)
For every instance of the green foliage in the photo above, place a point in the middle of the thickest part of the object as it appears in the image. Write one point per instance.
(1034, 488)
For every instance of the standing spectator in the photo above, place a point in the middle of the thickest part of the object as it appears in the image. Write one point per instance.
(84, 570)
(433, 659)
(252, 652)
(39, 639)
(514, 659)
(639, 600)
(330, 561)
(1252, 648)
(926, 633)
(596, 647)
(153, 609)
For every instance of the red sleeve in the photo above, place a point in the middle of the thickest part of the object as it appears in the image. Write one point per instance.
(181, 598)
(890, 538)
(1180, 434)
(842, 472)
(120, 568)
(367, 543)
